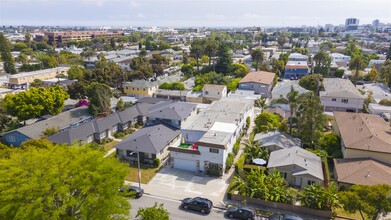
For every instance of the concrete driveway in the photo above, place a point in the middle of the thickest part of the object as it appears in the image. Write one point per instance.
(178, 184)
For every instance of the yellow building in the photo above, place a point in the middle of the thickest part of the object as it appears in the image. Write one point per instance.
(140, 88)
(29, 77)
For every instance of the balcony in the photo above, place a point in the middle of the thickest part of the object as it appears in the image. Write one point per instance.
(186, 148)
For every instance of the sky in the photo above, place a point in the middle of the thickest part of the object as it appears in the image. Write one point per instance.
(191, 13)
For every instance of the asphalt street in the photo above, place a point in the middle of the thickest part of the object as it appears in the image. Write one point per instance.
(173, 207)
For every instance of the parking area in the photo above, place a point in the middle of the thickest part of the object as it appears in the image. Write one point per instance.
(178, 184)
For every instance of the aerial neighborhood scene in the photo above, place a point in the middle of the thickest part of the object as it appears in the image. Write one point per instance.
(192, 109)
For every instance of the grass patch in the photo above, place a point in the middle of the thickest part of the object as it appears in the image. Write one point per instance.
(109, 145)
(147, 173)
(186, 146)
(341, 212)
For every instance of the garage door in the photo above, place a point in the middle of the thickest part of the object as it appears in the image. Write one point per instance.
(185, 164)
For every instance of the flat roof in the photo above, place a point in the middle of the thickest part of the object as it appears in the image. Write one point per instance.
(38, 72)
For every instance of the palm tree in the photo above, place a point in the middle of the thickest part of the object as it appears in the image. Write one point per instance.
(293, 97)
(240, 185)
(253, 151)
(356, 63)
(257, 56)
(260, 103)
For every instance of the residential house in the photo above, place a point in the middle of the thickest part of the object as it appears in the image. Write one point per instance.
(211, 92)
(362, 171)
(282, 110)
(363, 135)
(282, 89)
(150, 142)
(29, 77)
(260, 82)
(296, 69)
(140, 88)
(299, 167)
(276, 140)
(341, 95)
(210, 137)
(177, 95)
(62, 122)
(99, 128)
(195, 97)
(340, 59)
(175, 114)
(244, 94)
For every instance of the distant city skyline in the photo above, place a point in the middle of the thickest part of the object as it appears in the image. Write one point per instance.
(179, 13)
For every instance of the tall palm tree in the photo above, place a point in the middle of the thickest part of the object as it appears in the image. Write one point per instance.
(257, 56)
(293, 97)
(356, 63)
(254, 150)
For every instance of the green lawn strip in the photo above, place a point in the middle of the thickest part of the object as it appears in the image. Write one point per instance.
(147, 173)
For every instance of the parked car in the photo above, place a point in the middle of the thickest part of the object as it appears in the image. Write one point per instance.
(134, 190)
(199, 204)
(240, 213)
(278, 216)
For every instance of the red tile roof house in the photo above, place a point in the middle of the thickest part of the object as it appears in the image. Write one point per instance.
(260, 82)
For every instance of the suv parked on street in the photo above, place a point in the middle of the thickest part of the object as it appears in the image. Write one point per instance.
(199, 204)
(240, 213)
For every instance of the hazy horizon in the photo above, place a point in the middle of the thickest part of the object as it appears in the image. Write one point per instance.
(191, 13)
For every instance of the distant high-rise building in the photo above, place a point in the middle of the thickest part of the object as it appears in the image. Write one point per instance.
(351, 24)
(329, 27)
(375, 23)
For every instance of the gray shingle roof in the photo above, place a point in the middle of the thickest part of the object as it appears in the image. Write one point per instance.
(73, 135)
(306, 163)
(151, 139)
(62, 120)
(102, 124)
(340, 88)
(282, 140)
(174, 111)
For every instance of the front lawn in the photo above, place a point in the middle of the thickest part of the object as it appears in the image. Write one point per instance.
(147, 173)
(341, 212)
(109, 146)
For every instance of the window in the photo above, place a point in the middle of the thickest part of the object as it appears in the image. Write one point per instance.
(333, 99)
(213, 150)
(345, 100)
(132, 88)
(12, 138)
(206, 92)
(218, 93)
(310, 182)
(138, 89)
(144, 89)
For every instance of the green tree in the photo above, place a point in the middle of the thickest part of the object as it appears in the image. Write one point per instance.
(373, 75)
(319, 197)
(388, 57)
(75, 72)
(293, 98)
(331, 143)
(312, 82)
(322, 63)
(6, 57)
(310, 119)
(240, 70)
(36, 102)
(152, 213)
(211, 49)
(37, 184)
(99, 99)
(225, 59)
(121, 105)
(266, 122)
(356, 64)
(19, 46)
(257, 56)
(374, 200)
(77, 90)
(22, 58)
(233, 85)
(196, 51)
(281, 40)
(385, 73)
(254, 150)
(187, 69)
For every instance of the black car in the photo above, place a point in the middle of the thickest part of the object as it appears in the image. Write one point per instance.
(240, 213)
(134, 190)
(284, 217)
(197, 204)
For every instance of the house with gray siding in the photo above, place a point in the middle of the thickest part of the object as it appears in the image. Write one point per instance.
(260, 82)
(63, 121)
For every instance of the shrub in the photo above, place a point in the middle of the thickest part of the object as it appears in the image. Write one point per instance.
(240, 163)
(386, 102)
(248, 121)
(51, 131)
(229, 161)
(249, 167)
(156, 162)
(236, 146)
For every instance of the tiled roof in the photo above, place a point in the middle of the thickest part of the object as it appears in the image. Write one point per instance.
(262, 77)
(365, 171)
